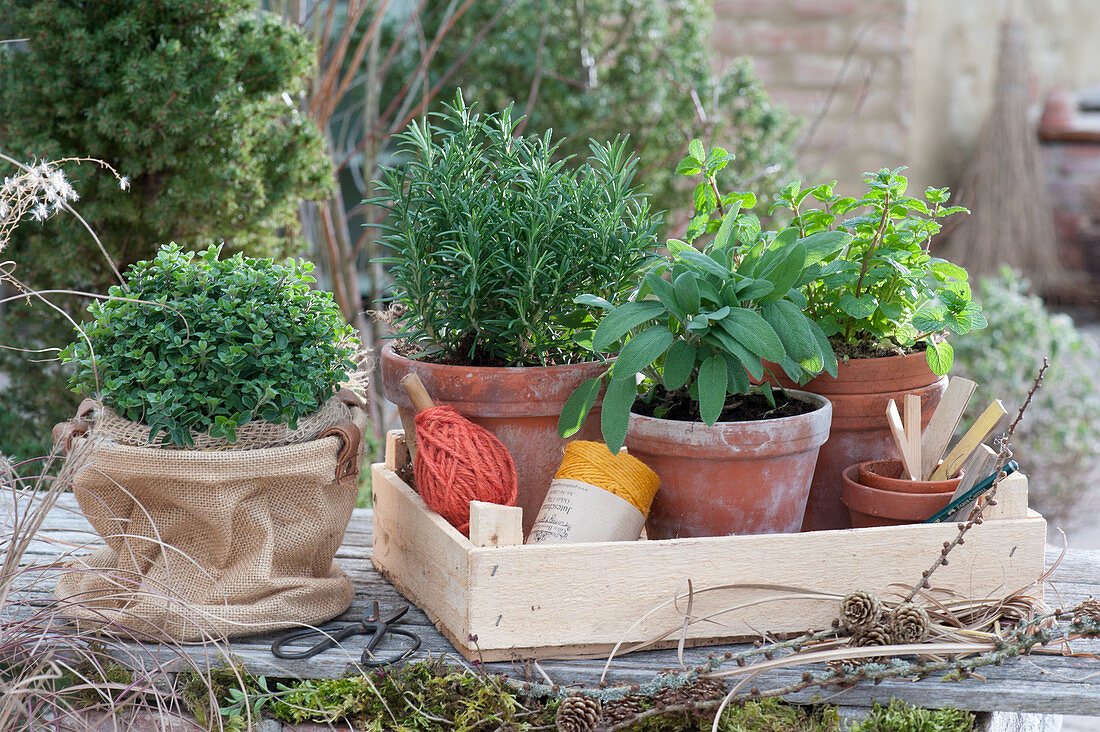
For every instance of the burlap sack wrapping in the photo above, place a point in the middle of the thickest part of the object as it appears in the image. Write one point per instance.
(203, 544)
(250, 435)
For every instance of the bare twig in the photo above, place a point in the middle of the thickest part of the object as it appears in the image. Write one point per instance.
(830, 97)
(975, 517)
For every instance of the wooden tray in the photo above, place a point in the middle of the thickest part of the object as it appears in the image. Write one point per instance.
(497, 600)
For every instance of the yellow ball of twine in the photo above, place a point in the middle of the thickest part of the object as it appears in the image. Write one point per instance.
(623, 475)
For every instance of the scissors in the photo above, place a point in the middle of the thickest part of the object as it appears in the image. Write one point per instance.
(332, 635)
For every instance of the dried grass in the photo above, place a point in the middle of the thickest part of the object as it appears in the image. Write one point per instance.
(51, 674)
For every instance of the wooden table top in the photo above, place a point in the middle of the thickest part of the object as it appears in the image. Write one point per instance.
(1041, 684)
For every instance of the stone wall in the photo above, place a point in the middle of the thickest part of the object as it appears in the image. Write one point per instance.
(917, 74)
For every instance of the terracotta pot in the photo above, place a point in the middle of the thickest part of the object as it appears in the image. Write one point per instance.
(859, 393)
(887, 475)
(878, 507)
(520, 406)
(732, 477)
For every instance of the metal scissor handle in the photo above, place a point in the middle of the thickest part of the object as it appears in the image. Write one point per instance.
(379, 629)
(330, 638)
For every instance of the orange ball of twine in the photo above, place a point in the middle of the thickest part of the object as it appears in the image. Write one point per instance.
(623, 475)
(457, 462)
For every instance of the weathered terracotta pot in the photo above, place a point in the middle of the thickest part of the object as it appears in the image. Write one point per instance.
(859, 393)
(878, 507)
(732, 477)
(888, 475)
(520, 406)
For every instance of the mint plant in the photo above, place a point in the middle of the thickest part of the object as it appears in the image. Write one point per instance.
(203, 344)
(884, 290)
(491, 238)
(704, 321)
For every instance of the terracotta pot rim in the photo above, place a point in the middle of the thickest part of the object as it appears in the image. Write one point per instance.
(821, 401)
(915, 507)
(900, 484)
(488, 391)
(880, 374)
(482, 371)
(755, 439)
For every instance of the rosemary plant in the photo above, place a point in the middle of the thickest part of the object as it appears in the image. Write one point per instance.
(491, 238)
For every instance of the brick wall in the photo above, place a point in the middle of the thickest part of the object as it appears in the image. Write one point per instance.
(919, 81)
(845, 63)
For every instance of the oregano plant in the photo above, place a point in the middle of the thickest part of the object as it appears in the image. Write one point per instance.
(885, 290)
(207, 344)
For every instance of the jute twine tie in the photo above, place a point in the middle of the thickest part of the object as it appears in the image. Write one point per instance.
(623, 475)
(457, 462)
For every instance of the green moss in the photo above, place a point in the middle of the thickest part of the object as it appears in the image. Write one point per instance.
(899, 716)
(203, 695)
(432, 695)
(773, 715)
(413, 698)
(101, 681)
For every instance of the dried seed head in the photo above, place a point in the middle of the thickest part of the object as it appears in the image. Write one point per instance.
(908, 623)
(859, 611)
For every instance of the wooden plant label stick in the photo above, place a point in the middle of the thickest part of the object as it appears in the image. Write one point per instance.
(421, 401)
(978, 433)
(981, 463)
(898, 431)
(944, 421)
(912, 431)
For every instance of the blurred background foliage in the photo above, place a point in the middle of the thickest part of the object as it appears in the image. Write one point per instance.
(1055, 442)
(234, 123)
(197, 102)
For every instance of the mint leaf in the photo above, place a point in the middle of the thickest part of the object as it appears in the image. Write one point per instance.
(940, 357)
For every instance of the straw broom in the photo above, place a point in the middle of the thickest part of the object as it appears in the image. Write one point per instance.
(1005, 188)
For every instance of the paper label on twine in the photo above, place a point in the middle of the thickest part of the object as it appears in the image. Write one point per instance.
(574, 512)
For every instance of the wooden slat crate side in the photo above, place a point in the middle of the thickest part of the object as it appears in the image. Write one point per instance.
(583, 594)
(575, 600)
(422, 555)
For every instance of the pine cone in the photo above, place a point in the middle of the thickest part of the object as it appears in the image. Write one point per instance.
(859, 611)
(578, 713)
(697, 691)
(1086, 618)
(621, 710)
(876, 635)
(908, 623)
(1087, 612)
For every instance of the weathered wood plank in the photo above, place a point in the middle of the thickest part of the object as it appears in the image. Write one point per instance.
(1048, 684)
